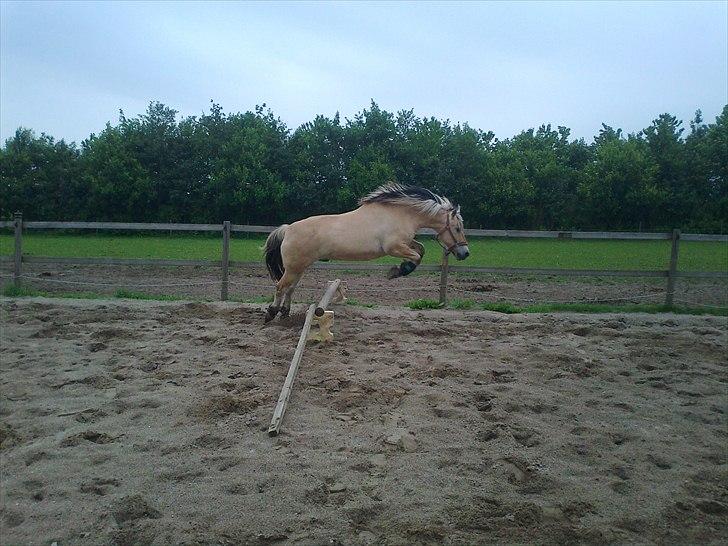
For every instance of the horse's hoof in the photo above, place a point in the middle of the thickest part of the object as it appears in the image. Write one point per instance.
(393, 273)
(270, 315)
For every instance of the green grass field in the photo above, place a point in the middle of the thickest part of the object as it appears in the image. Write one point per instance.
(540, 253)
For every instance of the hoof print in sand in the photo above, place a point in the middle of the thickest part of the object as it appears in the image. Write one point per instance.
(132, 508)
(8, 436)
(88, 436)
(13, 518)
(99, 486)
(90, 415)
(528, 478)
(483, 401)
(488, 434)
(525, 436)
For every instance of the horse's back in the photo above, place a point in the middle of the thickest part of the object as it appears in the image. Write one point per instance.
(348, 236)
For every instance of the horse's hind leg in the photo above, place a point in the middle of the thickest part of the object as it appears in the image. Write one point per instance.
(288, 295)
(282, 300)
(274, 307)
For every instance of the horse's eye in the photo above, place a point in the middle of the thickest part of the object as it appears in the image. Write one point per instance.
(457, 229)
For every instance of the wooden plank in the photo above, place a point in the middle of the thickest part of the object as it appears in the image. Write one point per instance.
(559, 272)
(359, 266)
(123, 226)
(323, 304)
(619, 235)
(704, 237)
(7, 224)
(116, 261)
(225, 259)
(282, 404)
(535, 234)
(244, 228)
(702, 274)
(670, 293)
(363, 266)
(18, 255)
(444, 267)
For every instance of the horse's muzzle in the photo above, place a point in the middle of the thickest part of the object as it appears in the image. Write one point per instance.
(462, 252)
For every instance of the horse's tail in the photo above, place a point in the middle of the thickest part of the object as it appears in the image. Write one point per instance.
(273, 258)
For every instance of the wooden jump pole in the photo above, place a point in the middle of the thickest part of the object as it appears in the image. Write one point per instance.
(280, 409)
(325, 301)
(313, 310)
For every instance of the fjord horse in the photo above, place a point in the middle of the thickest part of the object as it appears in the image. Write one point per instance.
(385, 224)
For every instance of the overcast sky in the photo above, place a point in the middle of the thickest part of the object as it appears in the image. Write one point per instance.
(66, 68)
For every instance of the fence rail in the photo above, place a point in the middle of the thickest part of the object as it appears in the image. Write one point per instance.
(500, 233)
(672, 274)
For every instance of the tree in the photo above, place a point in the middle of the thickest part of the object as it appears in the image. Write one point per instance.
(664, 139)
(249, 168)
(619, 188)
(40, 177)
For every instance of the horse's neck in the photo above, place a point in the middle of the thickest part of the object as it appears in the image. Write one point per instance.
(404, 218)
(427, 221)
(418, 220)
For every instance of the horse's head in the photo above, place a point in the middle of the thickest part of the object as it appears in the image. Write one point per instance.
(452, 235)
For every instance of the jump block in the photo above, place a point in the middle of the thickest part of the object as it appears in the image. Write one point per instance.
(324, 322)
(340, 296)
(335, 293)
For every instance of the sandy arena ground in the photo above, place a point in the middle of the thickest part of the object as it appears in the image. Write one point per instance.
(132, 422)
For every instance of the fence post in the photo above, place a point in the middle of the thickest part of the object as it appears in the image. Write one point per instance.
(225, 259)
(18, 219)
(444, 267)
(671, 274)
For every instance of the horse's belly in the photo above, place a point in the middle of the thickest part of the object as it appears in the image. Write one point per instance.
(354, 253)
(348, 249)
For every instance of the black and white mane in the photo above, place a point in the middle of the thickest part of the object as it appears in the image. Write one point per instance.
(420, 198)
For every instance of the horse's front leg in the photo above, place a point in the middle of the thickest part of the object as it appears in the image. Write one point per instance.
(411, 256)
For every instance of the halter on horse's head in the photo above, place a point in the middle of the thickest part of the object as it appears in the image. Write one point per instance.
(454, 228)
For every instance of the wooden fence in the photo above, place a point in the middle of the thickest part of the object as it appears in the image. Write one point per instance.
(671, 274)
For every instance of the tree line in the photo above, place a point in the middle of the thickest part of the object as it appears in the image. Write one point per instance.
(251, 169)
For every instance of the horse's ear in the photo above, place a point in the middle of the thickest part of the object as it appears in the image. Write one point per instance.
(455, 211)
